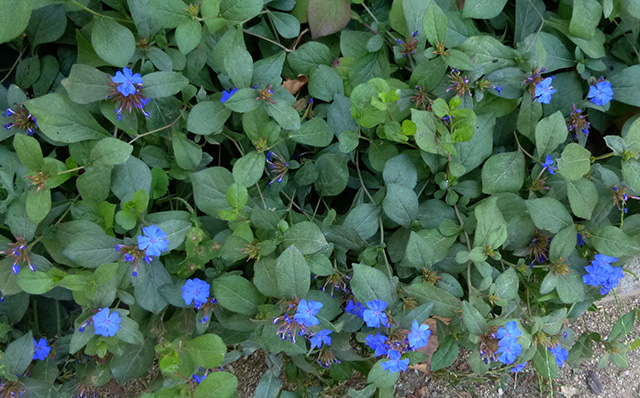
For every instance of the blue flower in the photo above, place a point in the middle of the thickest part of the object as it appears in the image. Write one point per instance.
(195, 290)
(197, 378)
(419, 335)
(227, 94)
(306, 313)
(395, 364)
(580, 239)
(519, 367)
(321, 337)
(41, 349)
(509, 330)
(355, 308)
(155, 242)
(601, 94)
(544, 90)
(560, 353)
(377, 343)
(602, 273)
(106, 325)
(126, 80)
(374, 315)
(548, 164)
(509, 353)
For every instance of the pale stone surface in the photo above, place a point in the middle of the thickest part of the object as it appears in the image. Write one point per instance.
(629, 285)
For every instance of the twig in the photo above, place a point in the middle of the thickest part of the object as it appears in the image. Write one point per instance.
(269, 40)
(159, 129)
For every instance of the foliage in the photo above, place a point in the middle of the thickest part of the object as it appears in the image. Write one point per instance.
(182, 182)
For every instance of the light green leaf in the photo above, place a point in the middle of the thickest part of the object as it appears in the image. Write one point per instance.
(549, 214)
(315, 132)
(550, 132)
(306, 236)
(208, 117)
(206, 351)
(328, 16)
(13, 20)
(110, 152)
(86, 84)
(585, 18)
(369, 284)
(163, 84)
(237, 294)
(188, 35)
(400, 204)
(473, 320)
(483, 9)
(583, 197)
(249, 169)
(575, 162)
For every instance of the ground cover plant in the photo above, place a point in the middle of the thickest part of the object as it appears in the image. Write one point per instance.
(342, 184)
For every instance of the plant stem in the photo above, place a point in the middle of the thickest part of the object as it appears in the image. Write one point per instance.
(267, 39)
(159, 129)
(90, 11)
(606, 155)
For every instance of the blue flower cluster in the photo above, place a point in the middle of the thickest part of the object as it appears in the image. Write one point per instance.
(40, 349)
(560, 354)
(509, 348)
(544, 90)
(128, 92)
(196, 291)
(106, 324)
(153, 243)
(548, 165)
(126, 81)
(374, 316)
(601, 93)
(602, 273)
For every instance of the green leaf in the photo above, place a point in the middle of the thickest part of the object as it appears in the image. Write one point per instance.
(400, 170)
(130, 177)
(570, 288)
(550, 132)
(328, 16)
(210, 188)
(293, 275)
(133, 363)
(167, 13)
(315, 132)
(364, 220)
(19, 354)
(113, 42)
(86, 84)
(209, 117)
(563, 244)
(545, 363)
(473, 320)
(612, 241)
(585, 18)
(306, 236)
(503, 172)
(483, 9)
(237, 196)
(427, 247)
(632, 137)
(110, 152)
(187, 153)
(206, 351)
(575, 162)
(28, 151)
(269, 385)
(38, 204)
(268, 70)
(507, 285)
(549, 214)
(528, 115)
(249, 169)
(444, 303)
(63, 121)
(150, 278)
(325, 82)
(333, 174)
(94, 249)
(13, 21)
(446, 354)
(35, 282)
(308, 56)
(593, 47)
(491, 227)
(47, 24)
(188, 35)
(489, 53)
(434, 24)
(370, 284)
(217, 384)
(583, 197)
(381, 378)
(623, 326)
(244, 100)
(286, 24)
(287, 117)
(400, 204)
(237, 294)
(265, 278)
(163, 84)
(240, 10)
(239, 66)
(631, 173)
(529, 18)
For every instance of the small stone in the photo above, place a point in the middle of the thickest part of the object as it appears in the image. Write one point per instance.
(500, 392)
(594, 383)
